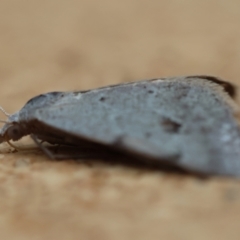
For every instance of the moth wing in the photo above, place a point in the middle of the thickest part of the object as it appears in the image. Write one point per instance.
(183, 121)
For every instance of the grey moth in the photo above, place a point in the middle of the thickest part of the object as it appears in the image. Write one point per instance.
(187, 122)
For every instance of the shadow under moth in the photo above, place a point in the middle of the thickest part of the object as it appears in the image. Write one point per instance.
(188, 122)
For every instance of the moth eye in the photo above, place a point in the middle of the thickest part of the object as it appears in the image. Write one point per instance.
(14, 132)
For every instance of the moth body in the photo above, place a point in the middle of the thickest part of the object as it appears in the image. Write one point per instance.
(188, 122)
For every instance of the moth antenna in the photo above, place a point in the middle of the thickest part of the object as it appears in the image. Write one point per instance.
(4, 112)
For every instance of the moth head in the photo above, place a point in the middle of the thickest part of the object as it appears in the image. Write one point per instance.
(12, 129)
(13, 132)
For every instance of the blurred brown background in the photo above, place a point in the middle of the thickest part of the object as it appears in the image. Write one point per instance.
(72, 45)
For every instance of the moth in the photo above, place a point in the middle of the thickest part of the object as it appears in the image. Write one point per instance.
(188, 122)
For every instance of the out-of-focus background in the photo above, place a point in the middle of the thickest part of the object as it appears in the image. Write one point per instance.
(73, 45)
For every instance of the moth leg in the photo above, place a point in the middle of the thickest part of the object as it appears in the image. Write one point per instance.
(20, 148)
(50, 154)
(77, 152)
(44, 149)
(12, 145)
(17, 148)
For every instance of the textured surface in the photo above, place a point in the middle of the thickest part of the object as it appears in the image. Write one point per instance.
(72, 45)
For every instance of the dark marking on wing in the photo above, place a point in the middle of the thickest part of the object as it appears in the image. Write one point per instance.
(170, 125)
(36, 98)
(43, 99)
(102, 99)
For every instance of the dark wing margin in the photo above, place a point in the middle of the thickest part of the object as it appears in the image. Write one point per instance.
(228, 87)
